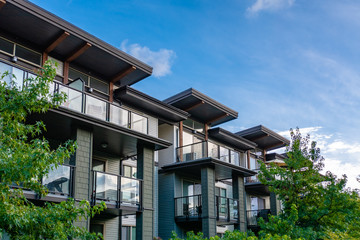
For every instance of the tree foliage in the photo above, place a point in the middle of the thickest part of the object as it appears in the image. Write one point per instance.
(315, 205)
(25, 157)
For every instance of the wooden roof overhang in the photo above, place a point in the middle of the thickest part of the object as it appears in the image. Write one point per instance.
(202, 108)
(231, 139)
(223, 170)
(265, 138)
(121, 141)
(150, 105)
(49, 34)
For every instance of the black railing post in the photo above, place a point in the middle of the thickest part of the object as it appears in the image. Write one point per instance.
(118, 195)
(228, 209)
(217, 208)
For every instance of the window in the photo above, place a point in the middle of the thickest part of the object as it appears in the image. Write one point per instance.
(6, 46)
(191, 188)
(128, 233)
(197, 126)
(98, 165)
(92, 82)
(130, 171)
(28, 54)
(97, 228)
(58, 65)
(21, 52)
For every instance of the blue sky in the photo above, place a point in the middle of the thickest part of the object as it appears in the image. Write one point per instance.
(280, 63)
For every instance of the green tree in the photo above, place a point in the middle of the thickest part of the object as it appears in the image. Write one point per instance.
(315, 204)
(25, 157)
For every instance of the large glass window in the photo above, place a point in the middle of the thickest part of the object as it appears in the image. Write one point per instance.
(199, 127)
(98, 165)
(92, 82)
(28, 54)
(6, 46)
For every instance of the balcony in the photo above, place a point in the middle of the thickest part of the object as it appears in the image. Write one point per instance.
(208, 149)
(253, 179)
(96, 107)
(254, 215)
(189, 208)
(116, 191)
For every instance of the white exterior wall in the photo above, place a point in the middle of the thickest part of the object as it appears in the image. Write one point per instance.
(168, 155)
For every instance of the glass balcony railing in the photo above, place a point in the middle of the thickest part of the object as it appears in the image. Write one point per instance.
(227, 209)
(254, 215)
(189, 206)
(253, 179)
(116, 189)
(99, 108)
(60, 180)
(208, 149)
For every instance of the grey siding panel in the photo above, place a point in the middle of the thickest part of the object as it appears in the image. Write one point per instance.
(113, 165)
(82, 170)
(112, 229)
(208, 202)
(144, 220)
(166, 205)
(239, 193)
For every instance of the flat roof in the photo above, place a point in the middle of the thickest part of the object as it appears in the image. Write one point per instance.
(264, 137)
(231, 139)
(202, 108)
(149, 104)
(38, 28)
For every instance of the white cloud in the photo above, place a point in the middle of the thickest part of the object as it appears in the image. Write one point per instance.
(160, 60)
(269, 5)
(341, 155)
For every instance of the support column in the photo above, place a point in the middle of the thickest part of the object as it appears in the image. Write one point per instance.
(239, 193)
(145, 171)
(208, 202)
(274, 204)
(84, 141)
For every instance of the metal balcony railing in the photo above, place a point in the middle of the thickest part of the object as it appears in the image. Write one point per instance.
(254, 215)
(208, 149)
(116, 189)
(188, 206)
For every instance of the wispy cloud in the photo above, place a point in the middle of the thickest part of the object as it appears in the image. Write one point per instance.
(269, 5)
(340, 154)
(160, 60)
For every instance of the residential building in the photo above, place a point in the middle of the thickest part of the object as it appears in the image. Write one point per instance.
(207, 178)
(158, 165)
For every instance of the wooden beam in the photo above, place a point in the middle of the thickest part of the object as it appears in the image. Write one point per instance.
(194, 106)
(2, 3)
(264, 154)
(44, 58)
(206, 132)
(181, 140)
(66, 73)
(218, 118)
(122, 74)
(78, 52)
(57, 41)
(111, 92)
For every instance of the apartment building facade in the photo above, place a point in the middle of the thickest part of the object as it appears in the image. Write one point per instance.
(158, 165)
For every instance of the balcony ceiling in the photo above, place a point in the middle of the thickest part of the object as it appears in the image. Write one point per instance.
(61, 125)
(150, 105)
(202, 108)
(265, 138)
(223, 170)
(231, 139)
(33, 26)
